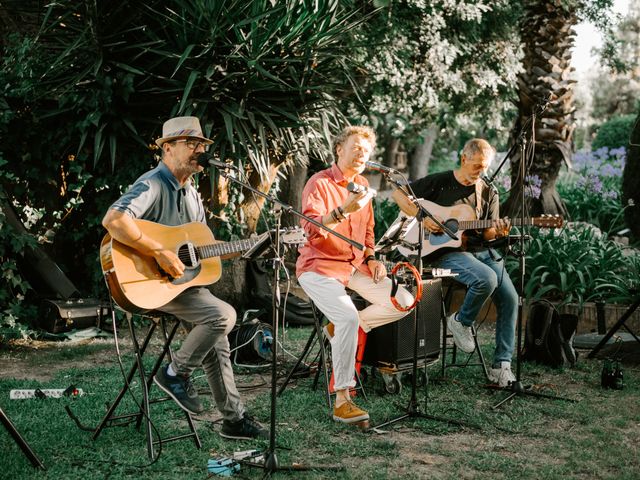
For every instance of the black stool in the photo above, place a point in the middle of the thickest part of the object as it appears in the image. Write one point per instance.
(324, 353)
(146, 382)
(449, 284)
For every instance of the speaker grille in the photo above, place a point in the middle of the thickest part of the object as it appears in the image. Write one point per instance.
(393, 343)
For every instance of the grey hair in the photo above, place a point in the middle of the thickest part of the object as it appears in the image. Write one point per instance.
(478, 145)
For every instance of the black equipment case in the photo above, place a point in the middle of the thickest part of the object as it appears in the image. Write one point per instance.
(57, 316)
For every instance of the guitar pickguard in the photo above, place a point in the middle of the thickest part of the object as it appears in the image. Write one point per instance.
(188, 275)
(440, 239)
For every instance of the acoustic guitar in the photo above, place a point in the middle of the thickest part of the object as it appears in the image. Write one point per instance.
(138, 284)
(457, 218)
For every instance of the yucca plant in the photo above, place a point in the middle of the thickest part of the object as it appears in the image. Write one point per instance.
(263, 76)
(575, 265)
(84, 99)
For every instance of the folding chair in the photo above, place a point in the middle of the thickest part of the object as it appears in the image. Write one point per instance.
(143, 415)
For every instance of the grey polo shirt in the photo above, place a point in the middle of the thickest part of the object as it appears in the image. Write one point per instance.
(157, 196)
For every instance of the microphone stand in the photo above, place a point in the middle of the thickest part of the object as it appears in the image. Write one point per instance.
(271, 463)
(413, 407)
(517, 388)
(21, 442)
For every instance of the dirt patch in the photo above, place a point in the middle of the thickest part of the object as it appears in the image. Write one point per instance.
(42, 360)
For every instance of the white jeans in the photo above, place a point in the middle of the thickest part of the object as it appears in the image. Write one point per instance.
(331, 298)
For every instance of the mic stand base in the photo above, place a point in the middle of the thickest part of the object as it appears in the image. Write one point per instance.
(271, 465)
(518, 389)
(413, 411)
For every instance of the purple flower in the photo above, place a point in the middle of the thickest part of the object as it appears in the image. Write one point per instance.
(610, 170)
(610, 195)
(505, 182)
(596, 184)
(581, 159)
(532, 187)
(602, 153)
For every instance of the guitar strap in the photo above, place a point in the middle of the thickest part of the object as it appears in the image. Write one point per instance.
(479, 199)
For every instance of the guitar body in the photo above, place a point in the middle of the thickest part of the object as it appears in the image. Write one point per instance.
(457, 218)
(431, 242)
(135, 281)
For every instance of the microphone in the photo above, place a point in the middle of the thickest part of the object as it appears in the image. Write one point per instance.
(207, 160)
(357, 188)
(380, 168)
(488, 182)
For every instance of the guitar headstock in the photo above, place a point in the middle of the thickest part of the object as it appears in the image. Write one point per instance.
(548, 221)
(293, 236)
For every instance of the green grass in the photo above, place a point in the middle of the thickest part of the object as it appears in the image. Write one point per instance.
(597, 437)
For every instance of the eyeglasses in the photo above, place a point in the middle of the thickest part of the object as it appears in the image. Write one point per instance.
(192, 144)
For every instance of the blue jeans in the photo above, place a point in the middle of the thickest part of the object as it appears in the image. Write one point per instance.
(483, 277)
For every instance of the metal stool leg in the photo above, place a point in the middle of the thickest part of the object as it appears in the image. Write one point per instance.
(317, 335)
(305, 352)
(109, 416)
(146, 382)
(325, 360)
(446, 301)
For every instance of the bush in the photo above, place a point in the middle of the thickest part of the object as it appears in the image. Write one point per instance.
(384, 212)
(614, 133)
(577, 264)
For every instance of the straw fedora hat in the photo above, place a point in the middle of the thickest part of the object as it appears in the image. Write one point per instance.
(180, 127)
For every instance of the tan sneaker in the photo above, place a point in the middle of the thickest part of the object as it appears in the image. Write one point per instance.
(329, 330)
(349, 412)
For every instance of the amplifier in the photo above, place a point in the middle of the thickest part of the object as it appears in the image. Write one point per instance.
(393, 343)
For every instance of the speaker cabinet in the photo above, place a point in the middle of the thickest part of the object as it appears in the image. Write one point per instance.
(393, 343)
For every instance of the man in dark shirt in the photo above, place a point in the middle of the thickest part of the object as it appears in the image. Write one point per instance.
(478, 267)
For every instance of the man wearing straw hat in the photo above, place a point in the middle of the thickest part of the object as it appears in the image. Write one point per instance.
(166, 195)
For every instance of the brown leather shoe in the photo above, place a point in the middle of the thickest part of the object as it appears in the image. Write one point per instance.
(349, 412)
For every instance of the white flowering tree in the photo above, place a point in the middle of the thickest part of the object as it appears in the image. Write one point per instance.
(434, 63)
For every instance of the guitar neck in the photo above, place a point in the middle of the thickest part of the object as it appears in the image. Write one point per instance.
(482, 224)
(226, 248)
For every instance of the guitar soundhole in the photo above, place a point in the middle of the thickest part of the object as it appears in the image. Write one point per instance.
(451, 224)
(188, 255)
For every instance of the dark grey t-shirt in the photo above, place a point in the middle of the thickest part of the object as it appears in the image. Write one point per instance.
(157, 196)
(443, 188)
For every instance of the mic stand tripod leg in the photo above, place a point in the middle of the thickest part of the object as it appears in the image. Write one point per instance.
(517, 388)
(21, 442)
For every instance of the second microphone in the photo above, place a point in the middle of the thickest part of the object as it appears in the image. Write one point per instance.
(357, 188)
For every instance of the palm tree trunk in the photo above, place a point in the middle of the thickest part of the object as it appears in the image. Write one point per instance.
(252, 204)
(548, 36)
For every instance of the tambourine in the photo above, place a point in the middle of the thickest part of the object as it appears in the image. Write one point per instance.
(394, 286)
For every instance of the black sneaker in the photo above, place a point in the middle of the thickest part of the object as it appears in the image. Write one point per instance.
(246, 429)
(180, 389)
